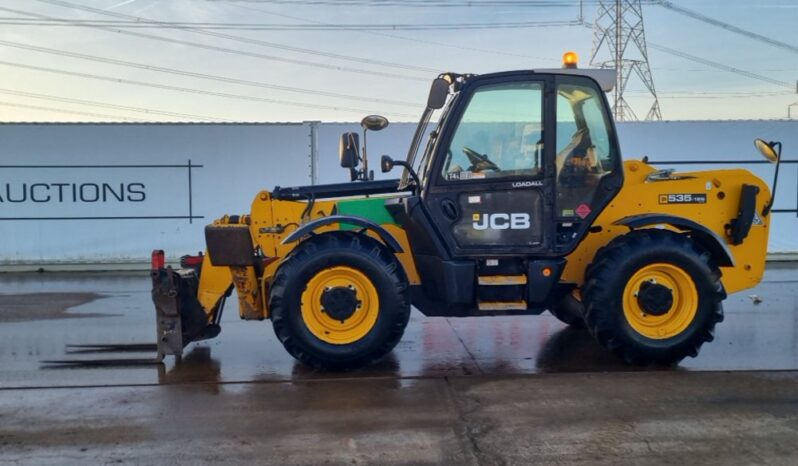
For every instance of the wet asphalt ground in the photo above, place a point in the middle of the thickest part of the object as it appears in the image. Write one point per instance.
(492, 390)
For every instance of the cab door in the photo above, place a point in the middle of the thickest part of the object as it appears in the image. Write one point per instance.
(491, 182)
(587, 159)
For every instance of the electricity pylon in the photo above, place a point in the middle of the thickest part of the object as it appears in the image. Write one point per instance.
(620, 38)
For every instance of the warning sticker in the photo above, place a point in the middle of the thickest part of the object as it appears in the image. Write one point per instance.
(583, 210)
(683, 198)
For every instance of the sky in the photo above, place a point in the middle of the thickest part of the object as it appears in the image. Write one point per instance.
(305, 60)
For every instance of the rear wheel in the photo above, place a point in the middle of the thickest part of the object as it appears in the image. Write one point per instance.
(339, 301)
(652, 296)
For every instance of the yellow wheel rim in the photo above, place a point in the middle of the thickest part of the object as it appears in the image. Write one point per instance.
(340, 331)
(680, 314)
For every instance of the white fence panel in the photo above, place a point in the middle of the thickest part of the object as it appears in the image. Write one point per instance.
(106, 193)
(113, 192)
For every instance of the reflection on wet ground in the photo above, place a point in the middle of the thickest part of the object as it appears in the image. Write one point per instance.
(454, 391)
(753, 336)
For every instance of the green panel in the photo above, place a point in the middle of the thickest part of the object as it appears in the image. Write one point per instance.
(370, 208)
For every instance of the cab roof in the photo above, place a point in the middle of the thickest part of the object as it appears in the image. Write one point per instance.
(603, 76)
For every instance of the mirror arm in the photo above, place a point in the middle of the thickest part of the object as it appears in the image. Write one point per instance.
(769, 206)
(410, 170)
(364, 157)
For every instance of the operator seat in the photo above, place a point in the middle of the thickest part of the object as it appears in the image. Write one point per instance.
(578, 172)
(571, 149)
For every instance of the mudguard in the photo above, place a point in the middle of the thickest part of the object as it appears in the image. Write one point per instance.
(348, 219)
(706, 237)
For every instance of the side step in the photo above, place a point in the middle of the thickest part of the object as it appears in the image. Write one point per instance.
(499, 280)
(502, 305)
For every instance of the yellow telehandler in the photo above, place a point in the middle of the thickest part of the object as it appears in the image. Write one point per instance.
(518, 202)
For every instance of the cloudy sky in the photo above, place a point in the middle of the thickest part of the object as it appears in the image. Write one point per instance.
(281, 60)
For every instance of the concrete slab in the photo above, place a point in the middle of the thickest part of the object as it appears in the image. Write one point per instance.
(644, 418)
(678, 418)
(371, 421)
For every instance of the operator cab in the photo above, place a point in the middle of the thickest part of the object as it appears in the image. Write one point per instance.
(521, 160)
(515, 172)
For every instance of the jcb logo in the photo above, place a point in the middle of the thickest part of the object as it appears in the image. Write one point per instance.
(516, 221)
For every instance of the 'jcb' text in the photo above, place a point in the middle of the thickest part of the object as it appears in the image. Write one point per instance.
(515, 221)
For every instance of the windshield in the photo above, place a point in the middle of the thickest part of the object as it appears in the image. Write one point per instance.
(424, 165)
(421, 129)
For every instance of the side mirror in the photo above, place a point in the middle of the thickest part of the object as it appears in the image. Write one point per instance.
(374, 122)
(386, 163)
(772, 152)
(438, 93)
(767, 149)
(348, 150)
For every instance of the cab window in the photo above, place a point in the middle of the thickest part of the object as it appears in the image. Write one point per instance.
(584, 153)
(499, 135)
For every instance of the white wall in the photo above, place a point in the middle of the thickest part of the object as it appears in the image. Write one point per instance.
(238, 160)
(393, 140)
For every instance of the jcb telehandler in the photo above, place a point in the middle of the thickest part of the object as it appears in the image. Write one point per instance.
(517, 203)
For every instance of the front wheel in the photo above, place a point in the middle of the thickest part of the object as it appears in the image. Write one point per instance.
(339, 301)
(653, 296)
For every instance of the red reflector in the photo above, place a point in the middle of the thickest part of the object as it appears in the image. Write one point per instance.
(158, 260)
(190, 261)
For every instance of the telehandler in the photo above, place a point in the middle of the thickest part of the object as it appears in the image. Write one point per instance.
(517, 203)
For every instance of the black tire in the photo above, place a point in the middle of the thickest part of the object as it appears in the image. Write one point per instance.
(615, 265)
(569, 311)
(324, 251)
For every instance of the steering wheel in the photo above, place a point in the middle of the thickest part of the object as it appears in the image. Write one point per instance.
(479, 162)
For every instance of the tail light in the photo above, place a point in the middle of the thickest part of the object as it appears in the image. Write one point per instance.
(158, 259)
(189, 261)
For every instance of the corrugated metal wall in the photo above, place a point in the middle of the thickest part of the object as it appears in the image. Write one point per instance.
(110, 193)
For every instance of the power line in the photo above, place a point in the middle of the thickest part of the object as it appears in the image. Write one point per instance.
(403, 38)
(235, 51)
(718, 93)
(248, 40)
(429, 3)
(729, 27)
(93, 103)
(66, 22)
(719, 66)
(70, 112)
(705, 70)
(422, 3)
(160, 69)
(712, 64)
(190, 90)
(714, 97)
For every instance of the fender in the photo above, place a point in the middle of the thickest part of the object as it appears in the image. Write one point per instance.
(359, 221)
(706, 237)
